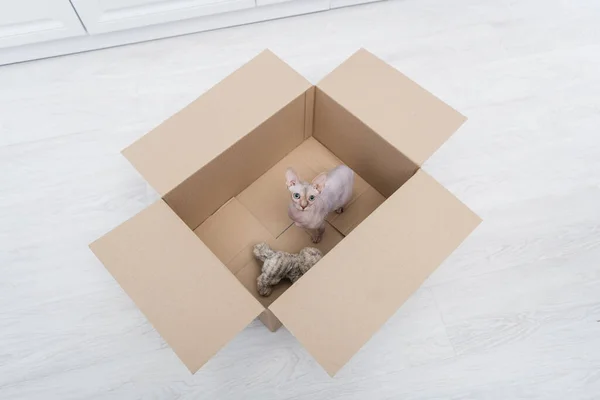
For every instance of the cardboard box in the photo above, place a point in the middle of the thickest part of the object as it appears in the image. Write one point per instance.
(219, 166)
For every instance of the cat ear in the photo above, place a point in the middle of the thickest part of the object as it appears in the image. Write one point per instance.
(291, 178)
(319, 181)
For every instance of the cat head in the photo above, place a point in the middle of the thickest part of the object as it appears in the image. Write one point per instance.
(304, 194)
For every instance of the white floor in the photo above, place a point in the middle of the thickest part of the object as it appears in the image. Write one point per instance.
(513, 314)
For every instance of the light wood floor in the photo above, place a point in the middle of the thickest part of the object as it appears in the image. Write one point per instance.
(513, 314)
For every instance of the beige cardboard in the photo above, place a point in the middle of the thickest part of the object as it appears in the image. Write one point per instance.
(358, 209)
(270, 320)
(267, 198)
(237, 167)
(230, 234)
(404, 114)
(359, 147)
(295, 239)
(193, 137)
(245, 256)
(292, 240)
(219, 165)
(321, 159)
(309, 112)
(247, 276)
(341, 302)
(316, 155)
(187, 294)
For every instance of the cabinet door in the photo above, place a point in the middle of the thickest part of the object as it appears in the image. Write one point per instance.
(28, 21)
(112, 15)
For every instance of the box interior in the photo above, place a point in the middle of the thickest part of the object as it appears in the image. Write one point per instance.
(240, 198)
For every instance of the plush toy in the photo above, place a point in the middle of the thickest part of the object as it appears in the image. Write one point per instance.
(279, 264)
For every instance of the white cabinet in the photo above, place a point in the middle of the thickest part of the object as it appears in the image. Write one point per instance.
(101, 16)
(35, 23)
(28, 21)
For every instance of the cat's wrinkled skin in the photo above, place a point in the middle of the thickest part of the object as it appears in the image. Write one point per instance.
(311, 202)
(278, 265)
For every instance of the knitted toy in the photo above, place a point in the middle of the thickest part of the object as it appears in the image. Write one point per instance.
(279, 264)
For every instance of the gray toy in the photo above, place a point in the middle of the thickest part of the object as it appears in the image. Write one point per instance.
(279, 264)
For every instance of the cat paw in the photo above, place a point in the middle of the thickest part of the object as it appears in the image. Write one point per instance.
(339, 210)
(316, 239)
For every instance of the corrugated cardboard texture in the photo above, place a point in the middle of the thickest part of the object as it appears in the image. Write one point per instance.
(177, 282)
(193, 137)
(403, 113)
(359, 147)
(338, 305)
(236, 168)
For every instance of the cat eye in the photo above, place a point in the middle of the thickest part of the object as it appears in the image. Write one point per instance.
(311, 198)
(296, 195)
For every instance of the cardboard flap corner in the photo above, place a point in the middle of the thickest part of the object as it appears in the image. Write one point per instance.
(194, 136)
(409, 117)
(189, 297)
(340, 303)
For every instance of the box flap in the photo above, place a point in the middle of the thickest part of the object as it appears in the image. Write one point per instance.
(188, 140)
(340, 303)
(403, 113)
(187, 294)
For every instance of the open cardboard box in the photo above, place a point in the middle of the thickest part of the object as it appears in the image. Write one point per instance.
(186, 261)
